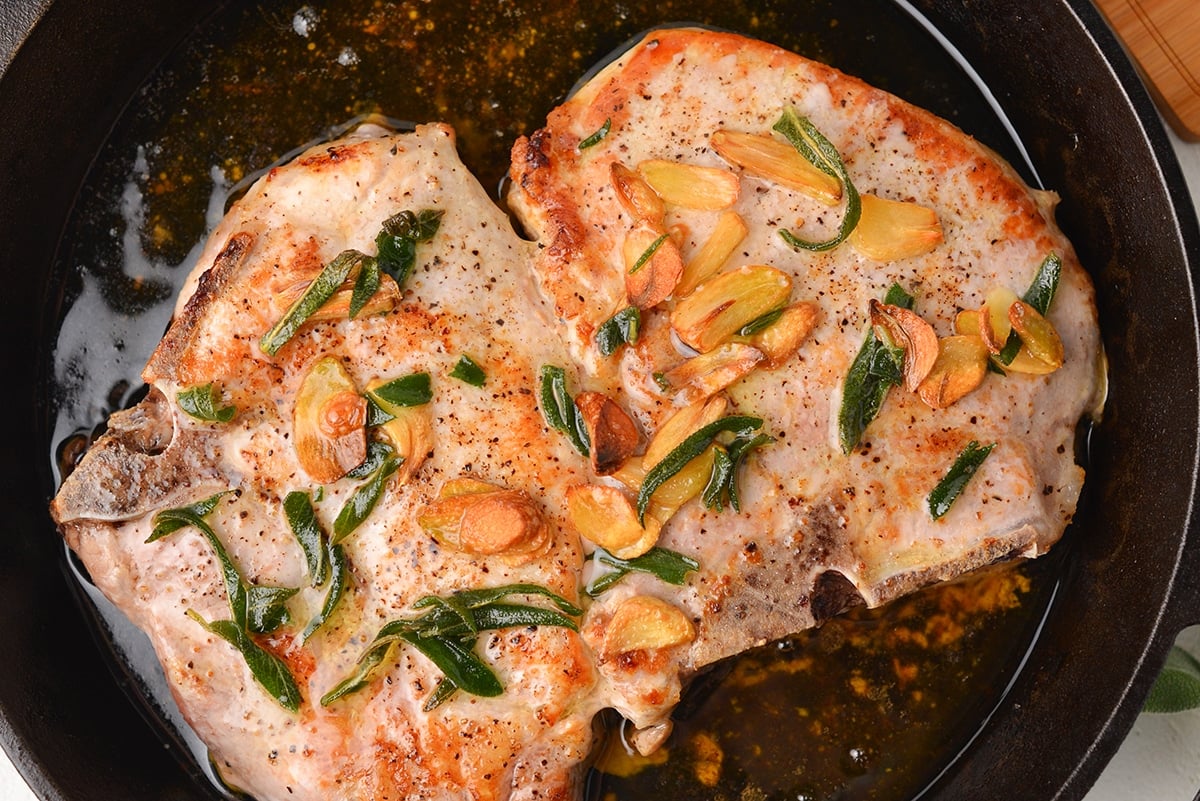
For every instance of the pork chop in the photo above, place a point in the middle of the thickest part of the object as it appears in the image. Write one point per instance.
(469, 294)
(823, 522)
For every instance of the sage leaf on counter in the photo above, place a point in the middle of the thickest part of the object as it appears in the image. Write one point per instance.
(1177, 688)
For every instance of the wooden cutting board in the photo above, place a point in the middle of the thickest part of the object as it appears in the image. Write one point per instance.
(1164, 38)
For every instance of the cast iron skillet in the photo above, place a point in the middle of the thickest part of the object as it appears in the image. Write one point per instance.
(1131, 579)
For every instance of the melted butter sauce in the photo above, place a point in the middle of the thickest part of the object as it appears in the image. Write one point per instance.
(870, 706)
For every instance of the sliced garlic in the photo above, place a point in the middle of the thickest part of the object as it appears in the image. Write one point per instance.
(689, 185)
(728, 233)
(635, 195)
(707, 374)
(612, 433)
(780, 340)
(642, 623)
(960, 368)
(778, 162)
(720, 307)
(908, 330)
(653, 265)
(605, 516)
(1037, 334)
(890, 230)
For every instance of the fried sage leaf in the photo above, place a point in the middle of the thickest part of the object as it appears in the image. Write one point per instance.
(876, 369)
(620, 329)
(365, 285)
(595, 138)
(1039, 295)
(339, 580)
(313, 298)
(203, 403)
(268, 670)
(447, 633)
(818, 150)
(468, 371)
(690, 448)
(397, 243)
(722, 483)
(951, 486)
(559, 409)
(297, 508)
(379, 466)
(667, 565)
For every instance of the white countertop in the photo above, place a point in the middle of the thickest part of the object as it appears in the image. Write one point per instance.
(1159, 760)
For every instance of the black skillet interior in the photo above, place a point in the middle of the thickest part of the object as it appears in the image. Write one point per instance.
(1132, 576)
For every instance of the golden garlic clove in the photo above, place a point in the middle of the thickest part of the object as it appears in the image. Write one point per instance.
(707, 374)
(643, 623)
(778, 162)
(908, 330)
(960, 368)
(507, 522)
(780, 340)
(890, 230)
(720, 307)
(994, 324)
(612, 433)
(635, 195)
(605, 516)
(484, 519)
(329, 422)
(677, 490)
(726, 235)
(653, 265)
(689, 185)
(1037, 334)
(681, 425)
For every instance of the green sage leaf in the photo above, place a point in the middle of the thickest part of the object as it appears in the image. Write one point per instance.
(821, 153)
(876, 368)
(620, 329)
(415, 389)
(469, 372)
(956, 478)
(266, 607)
(203, 403)
(558, 407)
(1177, 688)
(1039, 295)
(459, 664)
(268, 670)
(314, 297)
(596, 137)
(339, 580)
(687, 450)
(365, 286)
(170, 520)
(396, 243)
(363, 501)
(667, 565)
(302, 520)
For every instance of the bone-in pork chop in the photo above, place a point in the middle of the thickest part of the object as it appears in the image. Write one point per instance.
(668, 184)
(468, 295)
